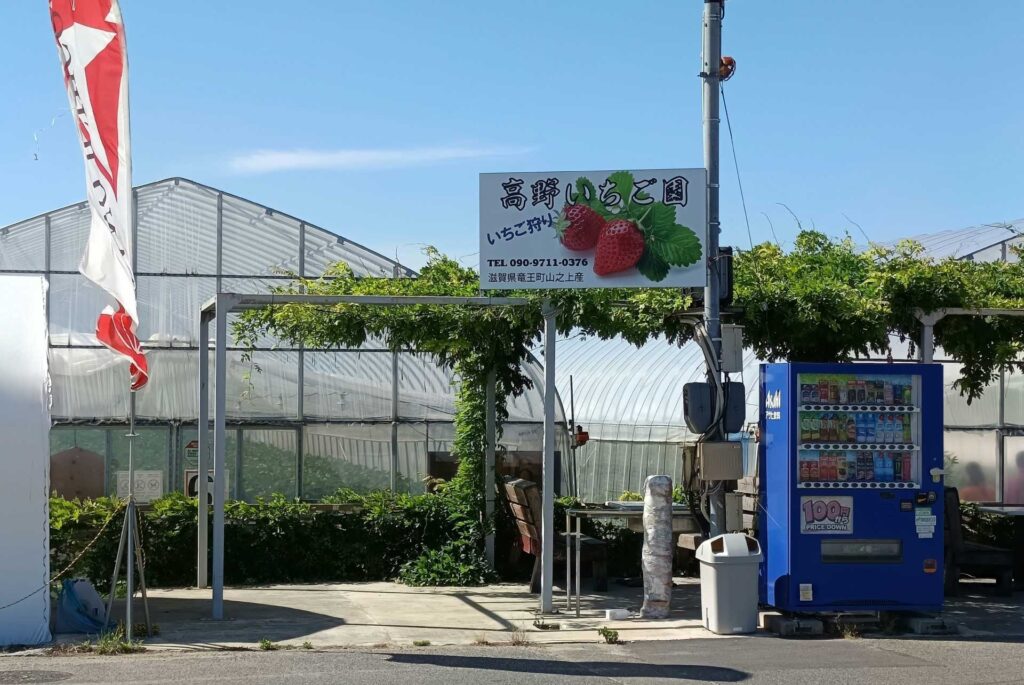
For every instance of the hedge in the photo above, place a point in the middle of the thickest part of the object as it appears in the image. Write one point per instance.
(271, 541)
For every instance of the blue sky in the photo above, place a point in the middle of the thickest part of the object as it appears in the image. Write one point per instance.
(374, 119)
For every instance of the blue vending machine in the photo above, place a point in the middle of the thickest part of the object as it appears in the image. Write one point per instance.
(851, 490)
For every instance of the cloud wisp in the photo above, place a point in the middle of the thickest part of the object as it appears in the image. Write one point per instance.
(304, 159)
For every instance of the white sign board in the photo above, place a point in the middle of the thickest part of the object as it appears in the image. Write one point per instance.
(149, 485)
(593, 229)
(192, 483)
(24, 459)
(822, 514)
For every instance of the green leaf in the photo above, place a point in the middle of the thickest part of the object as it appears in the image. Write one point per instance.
(623, 182)
(675, 244)
(585, 187)
(652, 266)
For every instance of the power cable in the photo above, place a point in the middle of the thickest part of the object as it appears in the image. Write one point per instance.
(736, 165)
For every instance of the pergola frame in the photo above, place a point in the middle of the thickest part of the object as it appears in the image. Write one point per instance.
(217, 309)
(928, 322)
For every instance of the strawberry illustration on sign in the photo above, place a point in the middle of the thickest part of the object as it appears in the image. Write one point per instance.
(619, 247)
(579, 227)
(633, 231)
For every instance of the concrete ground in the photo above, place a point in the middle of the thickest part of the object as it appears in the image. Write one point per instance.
(376, 614)
(368, 614)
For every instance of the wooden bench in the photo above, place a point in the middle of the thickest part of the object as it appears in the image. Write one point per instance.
(978, 560)
(523, 497)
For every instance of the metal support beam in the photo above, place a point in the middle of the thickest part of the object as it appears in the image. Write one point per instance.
(245, 302)
(46, 265)
(203, 434)
(239, 458)
(547, 535)
(220, 238)
(489, 457)
(224, 303)
(394, 421)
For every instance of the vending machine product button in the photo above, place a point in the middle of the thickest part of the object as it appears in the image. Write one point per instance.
(930, 566)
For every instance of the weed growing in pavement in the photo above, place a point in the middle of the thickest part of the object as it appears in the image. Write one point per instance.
(610, 636)
(520, 638)
(114, 642)
(307, 645)
(421, 643)
(268, 646)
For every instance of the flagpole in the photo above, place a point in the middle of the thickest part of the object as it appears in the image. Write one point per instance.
(130, 516)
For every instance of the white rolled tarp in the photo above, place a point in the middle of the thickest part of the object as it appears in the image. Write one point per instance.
(25, 457)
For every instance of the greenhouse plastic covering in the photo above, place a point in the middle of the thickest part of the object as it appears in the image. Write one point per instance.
(194, 241)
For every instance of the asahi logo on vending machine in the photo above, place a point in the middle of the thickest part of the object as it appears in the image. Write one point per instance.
(773, 405)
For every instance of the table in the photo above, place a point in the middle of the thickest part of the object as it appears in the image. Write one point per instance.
(625, 510)
(1017, 512)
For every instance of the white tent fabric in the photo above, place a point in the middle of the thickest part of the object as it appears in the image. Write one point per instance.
(24, 489)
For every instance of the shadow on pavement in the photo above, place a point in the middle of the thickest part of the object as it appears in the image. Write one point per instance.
(182, 620)
(607, 669)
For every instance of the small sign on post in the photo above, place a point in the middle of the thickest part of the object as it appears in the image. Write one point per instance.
(192, 484)
(593, 229)
(149, 485)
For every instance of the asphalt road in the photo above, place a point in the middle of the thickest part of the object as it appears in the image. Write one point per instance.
(754, 660)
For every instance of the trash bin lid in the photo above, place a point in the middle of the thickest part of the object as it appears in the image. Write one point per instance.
(729, 548)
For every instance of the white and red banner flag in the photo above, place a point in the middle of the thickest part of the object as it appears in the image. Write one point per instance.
(94, 59)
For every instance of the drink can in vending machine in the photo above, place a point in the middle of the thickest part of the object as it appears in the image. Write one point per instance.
(908, 394)
(842, 474)
(862, 392)
(833, 391)
(844, 396)
(805, 467)
(897, 468)
(907, 474)
(887, 393)
(812, 469)
(908, 437)
(823, 392)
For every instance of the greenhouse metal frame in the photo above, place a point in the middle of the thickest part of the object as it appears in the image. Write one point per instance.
(300, 421)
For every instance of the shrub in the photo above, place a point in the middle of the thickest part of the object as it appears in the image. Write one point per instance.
(456, 563)
(278, 540)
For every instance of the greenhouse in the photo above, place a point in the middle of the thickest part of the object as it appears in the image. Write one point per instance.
(302, 422)
(630, 401)
(306, 422)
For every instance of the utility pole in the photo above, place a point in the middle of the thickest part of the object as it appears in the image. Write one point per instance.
(712, 57)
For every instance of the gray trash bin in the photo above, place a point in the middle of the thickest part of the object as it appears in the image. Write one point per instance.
(728, 583)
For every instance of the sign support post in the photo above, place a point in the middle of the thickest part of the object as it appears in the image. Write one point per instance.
(547, 535)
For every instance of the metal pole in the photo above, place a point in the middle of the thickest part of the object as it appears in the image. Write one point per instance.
(491, 428)
(927, 343)
(130, 519)
(219, 442)
(394, 421)
(712, 57)
(203, 432)
(547, 535)
(573, 446)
